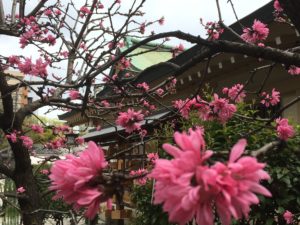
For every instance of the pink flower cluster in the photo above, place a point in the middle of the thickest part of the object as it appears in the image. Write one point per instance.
(26, 141)
(258, 33)
(61, 128)
(56, 144)
(270, 99)
(84, 11)
(152, 157)
(140, 181)
(26, 66)
(284, 130)
(79, 140)
(74, 94)
(294, 70)
(288, 216)
(72, 179)
(34, 32)
(235, 93)
(144, 86)
(37, 128)
(171, 87)
(219, 108)
(189, 187)
(21, 190)
(277, 6)
(130, 120)
(213, 29)
(177, 50)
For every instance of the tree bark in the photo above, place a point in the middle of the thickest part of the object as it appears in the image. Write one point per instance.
(23, 177)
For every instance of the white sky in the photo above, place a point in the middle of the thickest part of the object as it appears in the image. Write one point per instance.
(179, 15)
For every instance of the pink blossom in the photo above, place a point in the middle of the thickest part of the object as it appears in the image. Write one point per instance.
(21, 190)
(12, 137)
(284, 130)
(142, 28)
(71, 179)
(105, 103)
(74, 94)
(294, 70)
(57, 12)
(64, 54)
(13, 60)
(152, 157)
(48, 12)
(130, 120)
(288, 216)
(142, 180)
(258, 32)
(161, 21)
(277, 6)
(222, 109)
(235, 93)
(100, 6)
(159, 91)
(25, 67)
(27, 142)
(188, 187)
(50, 39)
(79, 140)
(44, 171)
(143, 86)
(37, 128)
(272, 99)
(39, 68)
(84, 11)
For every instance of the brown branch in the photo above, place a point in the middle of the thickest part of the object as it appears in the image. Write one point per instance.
(263, 150)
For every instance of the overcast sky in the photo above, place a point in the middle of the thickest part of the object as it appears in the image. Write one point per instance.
(179, 15)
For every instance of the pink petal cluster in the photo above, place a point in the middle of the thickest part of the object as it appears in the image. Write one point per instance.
(62, 129)
(159, 91)
(12, 137)
(21, 190)
(140, 181)
(294, 70)
(213, 29)
(44, 171)
(288, 216)
(79, 140)
(222, 109)
(72, 179)
(39, 68)
(259, 32)
(161, 21)
(284, 130)
(270, 99)
(84, 11)
(277, 6)
(171, 87)
(37, 128)
(188, 187)
(235, 93)
(130, 120)
(56, 144)
(27, 142)
(144, 86)
(152, 157)
(74, 94)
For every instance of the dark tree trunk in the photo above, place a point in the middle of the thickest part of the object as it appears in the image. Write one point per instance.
(23, 177)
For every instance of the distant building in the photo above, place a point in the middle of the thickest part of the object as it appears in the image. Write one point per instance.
(20, 97)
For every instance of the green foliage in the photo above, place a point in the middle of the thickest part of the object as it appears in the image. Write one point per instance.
(147, 214)
(283, 164)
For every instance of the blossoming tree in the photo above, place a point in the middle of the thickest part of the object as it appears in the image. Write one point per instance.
(76, 45)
